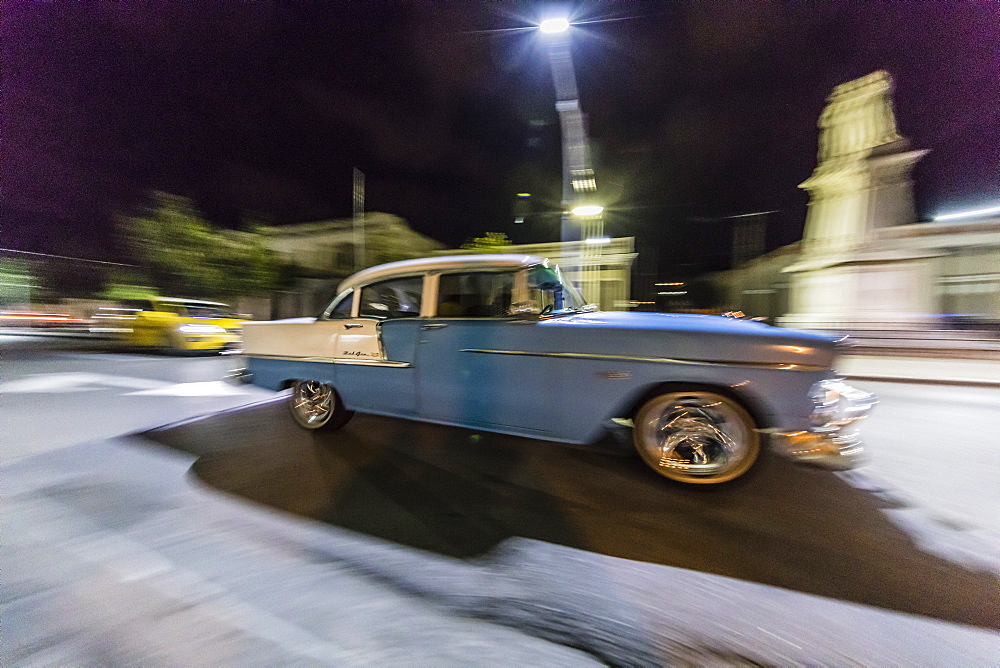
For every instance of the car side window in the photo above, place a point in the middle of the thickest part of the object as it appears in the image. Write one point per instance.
(395, 298)
(204, 311)
(475, 295)
(341, 306)
(138, 304)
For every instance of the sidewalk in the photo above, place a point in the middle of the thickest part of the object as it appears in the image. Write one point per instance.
(977, 372)
(114, 556)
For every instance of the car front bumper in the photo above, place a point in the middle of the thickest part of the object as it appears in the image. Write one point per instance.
(833, 441)
(209, 341)
(838, 453)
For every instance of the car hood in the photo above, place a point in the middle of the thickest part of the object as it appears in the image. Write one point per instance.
(225, 323)
(686, 322)
(287, 321)
(695, 337)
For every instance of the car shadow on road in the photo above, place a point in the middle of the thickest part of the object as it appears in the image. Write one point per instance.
(459, 493)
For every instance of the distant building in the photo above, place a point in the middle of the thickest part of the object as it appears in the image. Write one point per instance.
(321, 254)
(326, 247)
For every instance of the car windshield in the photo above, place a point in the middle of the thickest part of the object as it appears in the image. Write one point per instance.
(553, 292)
(207, 311)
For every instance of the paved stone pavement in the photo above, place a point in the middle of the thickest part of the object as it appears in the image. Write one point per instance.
(112, 556)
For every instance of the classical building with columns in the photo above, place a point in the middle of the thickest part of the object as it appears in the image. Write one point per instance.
(864, 261)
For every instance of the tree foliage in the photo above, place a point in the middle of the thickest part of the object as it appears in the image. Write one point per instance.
(491, 242)
(59, 279)
(17, 280)
(183, 255)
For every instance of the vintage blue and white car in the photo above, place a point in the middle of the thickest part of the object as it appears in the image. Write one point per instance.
(505, 343)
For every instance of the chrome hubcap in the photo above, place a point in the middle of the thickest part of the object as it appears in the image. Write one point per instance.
(313, 401)
(697, 436)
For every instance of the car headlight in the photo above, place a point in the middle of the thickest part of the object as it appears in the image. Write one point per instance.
(202, 329)
(837, 404)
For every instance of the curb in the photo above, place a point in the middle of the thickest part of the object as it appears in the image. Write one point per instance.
(280, 396)
(962, 382)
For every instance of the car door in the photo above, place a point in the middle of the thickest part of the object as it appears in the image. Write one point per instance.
(157, 325)
(143, 328)
(376, 348)
(469, 370)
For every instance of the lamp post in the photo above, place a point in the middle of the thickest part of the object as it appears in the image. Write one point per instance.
(359, 219)
(578, 182)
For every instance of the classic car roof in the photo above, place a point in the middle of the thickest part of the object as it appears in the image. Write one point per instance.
(181, 300)
(444, 263)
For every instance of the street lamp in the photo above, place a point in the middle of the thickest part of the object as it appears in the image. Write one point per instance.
(587, 210)
(579, 184)
(554, 25)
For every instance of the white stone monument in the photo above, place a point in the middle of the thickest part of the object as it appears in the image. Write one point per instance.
(845, 278)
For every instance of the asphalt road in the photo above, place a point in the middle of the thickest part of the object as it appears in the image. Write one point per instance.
(460, 493)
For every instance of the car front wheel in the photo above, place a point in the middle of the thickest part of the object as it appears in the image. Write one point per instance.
(315, 405)
(696, 437)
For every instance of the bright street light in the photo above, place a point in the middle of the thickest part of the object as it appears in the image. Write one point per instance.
(598, 241)
(554, 25)
(587, 210)
(975, 213)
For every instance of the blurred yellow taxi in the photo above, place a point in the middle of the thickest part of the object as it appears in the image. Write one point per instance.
(181, 324)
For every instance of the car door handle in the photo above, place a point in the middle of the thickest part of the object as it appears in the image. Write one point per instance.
(353, 326)
(434, 325)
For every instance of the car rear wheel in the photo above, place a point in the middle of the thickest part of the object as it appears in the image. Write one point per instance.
(696, 437)
(315, 405)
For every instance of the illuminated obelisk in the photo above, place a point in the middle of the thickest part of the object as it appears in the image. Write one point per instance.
(846, 278)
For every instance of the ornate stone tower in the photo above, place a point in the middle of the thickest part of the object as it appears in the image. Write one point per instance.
(845, 279)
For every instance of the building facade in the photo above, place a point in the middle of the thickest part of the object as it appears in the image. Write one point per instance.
(864, 263)
(322, 253)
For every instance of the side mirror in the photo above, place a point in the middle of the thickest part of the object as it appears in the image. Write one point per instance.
(524, 309)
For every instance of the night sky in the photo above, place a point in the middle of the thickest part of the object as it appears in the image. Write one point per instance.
(259, 110)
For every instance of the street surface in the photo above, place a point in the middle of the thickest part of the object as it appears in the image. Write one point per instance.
(912, 532)
(57, 392)
(461, 493)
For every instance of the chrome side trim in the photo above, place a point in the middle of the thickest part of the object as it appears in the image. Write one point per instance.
(336, 360)
(241, 375)
(657, 360)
